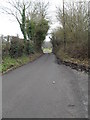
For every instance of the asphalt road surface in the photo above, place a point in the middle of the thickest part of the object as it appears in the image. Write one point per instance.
(44, 89)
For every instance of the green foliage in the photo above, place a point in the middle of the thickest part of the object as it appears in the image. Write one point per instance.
(41, 32)
(16, 47)
(33, 25)
(23, 23)
(37, 25)
(29, 48)
(30, 29)
(37, 31)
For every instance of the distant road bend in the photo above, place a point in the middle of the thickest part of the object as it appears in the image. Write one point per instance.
(43, 89)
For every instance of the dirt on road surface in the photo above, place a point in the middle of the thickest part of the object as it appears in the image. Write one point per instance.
(44, 89)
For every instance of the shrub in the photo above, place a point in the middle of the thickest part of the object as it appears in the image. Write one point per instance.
(29, 48)
(16, 48)
(5, 49)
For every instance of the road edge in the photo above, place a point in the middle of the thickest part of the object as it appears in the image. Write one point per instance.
(73, 65)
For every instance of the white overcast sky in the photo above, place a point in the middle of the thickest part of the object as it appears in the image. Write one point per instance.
(9, 26)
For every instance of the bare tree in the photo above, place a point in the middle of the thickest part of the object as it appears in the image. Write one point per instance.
(18, 9)
(76, 28)
(39, 11)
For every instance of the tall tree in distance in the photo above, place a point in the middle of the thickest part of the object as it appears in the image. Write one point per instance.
(37, 23)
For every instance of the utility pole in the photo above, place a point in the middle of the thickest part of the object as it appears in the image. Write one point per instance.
(64, 27)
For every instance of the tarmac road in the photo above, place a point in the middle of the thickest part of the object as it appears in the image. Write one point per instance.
(44, 89)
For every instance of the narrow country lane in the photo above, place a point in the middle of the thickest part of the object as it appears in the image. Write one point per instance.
(44, 89)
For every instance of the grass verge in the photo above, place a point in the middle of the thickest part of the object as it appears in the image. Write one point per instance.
(9, 63)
